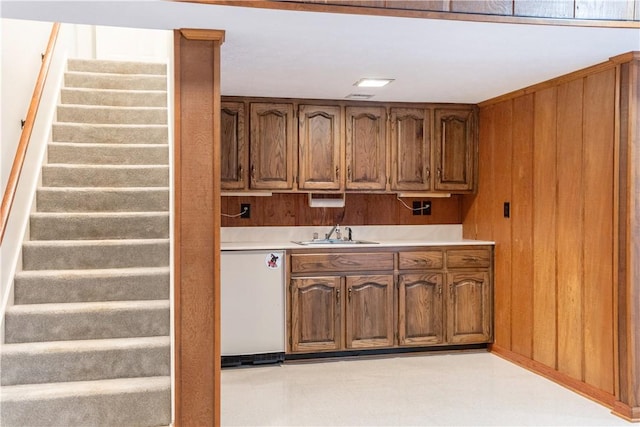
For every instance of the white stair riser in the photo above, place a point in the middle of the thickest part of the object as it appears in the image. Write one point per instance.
(98, 176)
(87, 227)
(110, 134)
(112, 115)
(115, 81)
(118, 67)
(113, 97)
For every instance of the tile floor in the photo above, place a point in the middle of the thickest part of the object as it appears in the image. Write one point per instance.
(462, 389)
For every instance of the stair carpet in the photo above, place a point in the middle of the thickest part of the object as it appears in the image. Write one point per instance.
(87, 339)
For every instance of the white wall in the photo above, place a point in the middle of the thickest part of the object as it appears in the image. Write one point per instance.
(19, 74)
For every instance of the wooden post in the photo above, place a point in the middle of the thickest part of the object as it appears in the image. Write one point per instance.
(628, 398)
(197, 227)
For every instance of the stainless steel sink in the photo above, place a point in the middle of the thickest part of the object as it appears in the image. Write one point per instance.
(333, 242)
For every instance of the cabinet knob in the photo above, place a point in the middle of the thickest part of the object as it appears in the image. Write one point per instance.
(253, 173)
(240, 172)
(349, 173)
(337, 295)
(427, 173)
(337, 172)
(349, 295)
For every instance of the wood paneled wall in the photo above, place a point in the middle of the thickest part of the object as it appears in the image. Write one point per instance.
(552, 152)
(360, 209)
(197, 227)
(619, 13)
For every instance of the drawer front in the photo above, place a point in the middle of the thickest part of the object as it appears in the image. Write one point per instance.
(420, 260)
(469, 257)
(341, 262)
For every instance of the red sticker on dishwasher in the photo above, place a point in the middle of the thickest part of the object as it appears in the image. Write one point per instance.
(273, 260)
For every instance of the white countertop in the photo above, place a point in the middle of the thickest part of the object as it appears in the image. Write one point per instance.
(282, 238)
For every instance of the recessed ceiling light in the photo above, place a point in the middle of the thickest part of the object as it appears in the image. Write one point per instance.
(358, 96)
(372, 82)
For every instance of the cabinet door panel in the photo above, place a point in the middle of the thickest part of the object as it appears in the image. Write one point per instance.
(455, 150)
(366, 148)
(369, 311)
(420, 309)
(233, 149)
(320, 148)
(469, 307)
(315, 314)
(410, 149)
(271, 146)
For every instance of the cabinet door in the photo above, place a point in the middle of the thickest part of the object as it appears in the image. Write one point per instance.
(233, 148)
(469, 308)
(420, 313)
(320, 147)
(410, 149)
(369, 311)
(366, 148)
(271, 146)
(315, 314)
(455, 150)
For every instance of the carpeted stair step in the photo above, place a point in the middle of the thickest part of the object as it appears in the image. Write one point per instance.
(111, 115)
(118, 402)
(86, 321)
(115, 81)
(105, 175)
(118, 67)
(107, 154)
(61, 286)
(93, 226)
(114, 97)
(98, 254)
(110, 134)
(85, 360)
(107, 199)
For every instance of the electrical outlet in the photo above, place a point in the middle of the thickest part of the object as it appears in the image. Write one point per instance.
(426, 207)
(506, 210)
(245, 208)
(417, 208)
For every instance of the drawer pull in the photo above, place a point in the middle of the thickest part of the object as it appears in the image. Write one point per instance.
(338, 296)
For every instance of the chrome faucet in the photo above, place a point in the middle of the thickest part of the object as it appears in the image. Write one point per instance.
(335, 228)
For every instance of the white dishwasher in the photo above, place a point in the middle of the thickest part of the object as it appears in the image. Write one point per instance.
(252, 307)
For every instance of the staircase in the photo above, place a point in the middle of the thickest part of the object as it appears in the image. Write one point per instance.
(87, 341)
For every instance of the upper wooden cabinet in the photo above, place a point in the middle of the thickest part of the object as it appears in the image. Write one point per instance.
(320, 148)
(410, 149)
(336, 146)
(366, 134)
(271, 146)
(233, 146)
(455, 147)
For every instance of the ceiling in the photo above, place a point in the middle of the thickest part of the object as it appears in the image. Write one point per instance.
(279, 53)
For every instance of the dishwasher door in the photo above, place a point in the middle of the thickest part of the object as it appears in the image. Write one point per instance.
(252, 306)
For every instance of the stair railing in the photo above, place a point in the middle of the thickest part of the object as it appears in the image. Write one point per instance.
(25, 137)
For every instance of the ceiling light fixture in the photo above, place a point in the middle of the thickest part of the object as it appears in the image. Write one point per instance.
(359, 96)
(367, 82)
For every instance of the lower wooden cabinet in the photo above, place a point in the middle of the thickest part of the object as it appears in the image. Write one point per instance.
(469, 310)
(420, 309)
(426, 297)
(341, 312)
(369, 311)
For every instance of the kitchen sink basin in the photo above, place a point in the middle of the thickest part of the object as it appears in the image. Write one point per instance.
(333, 242)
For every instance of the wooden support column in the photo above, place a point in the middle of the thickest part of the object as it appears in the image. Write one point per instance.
(628, 399)
(197, 227)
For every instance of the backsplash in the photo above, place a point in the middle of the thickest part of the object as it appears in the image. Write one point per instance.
(359, 209)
